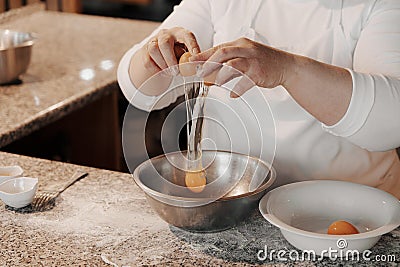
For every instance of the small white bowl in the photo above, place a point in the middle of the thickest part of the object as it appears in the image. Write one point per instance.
(18, 192)
(9, 172)
(303, 211)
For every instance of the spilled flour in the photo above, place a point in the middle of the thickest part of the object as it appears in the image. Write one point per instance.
(109, 215)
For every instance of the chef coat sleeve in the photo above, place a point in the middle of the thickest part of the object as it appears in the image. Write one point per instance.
(193, 15)
(372, 120)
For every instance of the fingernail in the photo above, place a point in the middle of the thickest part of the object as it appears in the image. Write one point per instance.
(233, 95)
(174, 70)
(195, 51)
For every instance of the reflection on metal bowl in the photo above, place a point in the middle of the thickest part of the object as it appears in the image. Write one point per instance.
(160, 179)
(15, 54)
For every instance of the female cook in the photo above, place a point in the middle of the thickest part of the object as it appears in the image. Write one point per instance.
(329, 69)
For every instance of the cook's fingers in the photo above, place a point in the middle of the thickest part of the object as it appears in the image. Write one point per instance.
(155, 54)
(205, 55)
(242, 86)
(223, 55)
(166, 44)
(191, 43)
(208, 69)
(228, 53)
(228, 72)
(187, 38)
(150, 64)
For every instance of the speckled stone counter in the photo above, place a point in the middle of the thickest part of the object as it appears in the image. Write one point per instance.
(74, 62)
(104, 220)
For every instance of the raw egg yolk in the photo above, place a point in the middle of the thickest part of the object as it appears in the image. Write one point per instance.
(195, 181)
(342, 228)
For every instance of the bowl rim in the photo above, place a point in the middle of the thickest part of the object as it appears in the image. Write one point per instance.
(31, 187)
(23, 44)
(264, 209)
(18, 171)
(152, 192)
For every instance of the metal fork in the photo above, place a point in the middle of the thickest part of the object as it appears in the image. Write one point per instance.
(45, 198)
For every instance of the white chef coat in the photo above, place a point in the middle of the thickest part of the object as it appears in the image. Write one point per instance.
(362, 36)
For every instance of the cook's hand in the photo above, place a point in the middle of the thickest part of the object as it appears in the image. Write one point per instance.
(163, 50)
(263, 65)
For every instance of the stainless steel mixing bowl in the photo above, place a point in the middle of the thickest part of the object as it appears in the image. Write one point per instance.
(15, 54)
(155, 176)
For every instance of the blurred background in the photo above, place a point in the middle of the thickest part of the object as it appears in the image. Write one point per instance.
(154, 10)
(58, 140)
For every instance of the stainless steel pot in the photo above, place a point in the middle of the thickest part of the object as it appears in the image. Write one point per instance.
(15, 54)
(153, 177)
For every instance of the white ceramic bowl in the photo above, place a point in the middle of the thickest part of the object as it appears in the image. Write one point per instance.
(303, 211)
(18, 192)
(9, 172)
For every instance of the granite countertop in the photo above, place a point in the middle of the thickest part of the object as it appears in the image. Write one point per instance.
(105, 220)
(74, 61)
